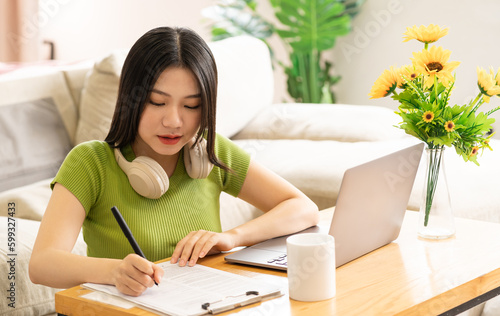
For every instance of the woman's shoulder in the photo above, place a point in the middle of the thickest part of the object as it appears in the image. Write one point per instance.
(224, 145)
(92, 150)
(236, 159)
(96, 146)
(85, 162)
(229, 152)
(222, 141)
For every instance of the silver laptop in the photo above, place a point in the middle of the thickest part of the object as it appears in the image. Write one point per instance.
(370, 208)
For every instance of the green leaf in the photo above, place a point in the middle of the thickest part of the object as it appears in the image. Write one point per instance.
(436, 93)
(331, 9)
(445, 140)
(237, 18)
(314, 28)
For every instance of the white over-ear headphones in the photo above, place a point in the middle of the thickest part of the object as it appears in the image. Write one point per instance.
(148, 178)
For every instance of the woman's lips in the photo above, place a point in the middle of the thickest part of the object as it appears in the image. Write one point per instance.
(169, 140)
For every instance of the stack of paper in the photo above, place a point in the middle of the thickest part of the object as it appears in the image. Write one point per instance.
(184, 291)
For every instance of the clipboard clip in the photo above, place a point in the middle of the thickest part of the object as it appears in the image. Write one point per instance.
(216, 310)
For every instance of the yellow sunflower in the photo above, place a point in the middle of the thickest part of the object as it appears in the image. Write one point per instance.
(449, 126)
(428, 116)
(424, 34)
(406, 72)
(487, 83)
(385, 84)
(433, 62)
(474, 151)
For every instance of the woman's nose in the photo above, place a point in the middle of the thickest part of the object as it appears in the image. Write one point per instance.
(172, 117)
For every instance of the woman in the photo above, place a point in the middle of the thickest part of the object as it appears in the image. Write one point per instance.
(165, 116)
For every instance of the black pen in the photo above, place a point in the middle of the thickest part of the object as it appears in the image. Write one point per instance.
(128, 233)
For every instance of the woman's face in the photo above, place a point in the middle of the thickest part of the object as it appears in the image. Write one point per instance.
(171, 115)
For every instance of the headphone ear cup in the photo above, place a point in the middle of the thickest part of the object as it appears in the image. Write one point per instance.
(145, 175)
(148, 178)
(198, 166)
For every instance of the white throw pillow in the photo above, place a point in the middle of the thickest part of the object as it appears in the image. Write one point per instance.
(246, 83)
(98, 98)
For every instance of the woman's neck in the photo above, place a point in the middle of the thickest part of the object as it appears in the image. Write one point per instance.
(167, 162)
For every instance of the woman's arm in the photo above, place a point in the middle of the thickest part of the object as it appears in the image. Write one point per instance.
(53, 264)
(287, 210)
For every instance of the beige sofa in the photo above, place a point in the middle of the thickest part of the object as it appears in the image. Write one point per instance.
(46, 110)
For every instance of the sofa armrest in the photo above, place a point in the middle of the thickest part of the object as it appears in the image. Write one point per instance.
(340, 122)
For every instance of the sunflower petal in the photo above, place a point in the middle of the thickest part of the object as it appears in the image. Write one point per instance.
(424, 34)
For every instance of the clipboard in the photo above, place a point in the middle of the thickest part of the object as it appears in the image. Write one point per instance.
(197, 290)
(251, 297)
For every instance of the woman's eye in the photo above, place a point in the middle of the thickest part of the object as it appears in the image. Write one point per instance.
(192, 107)
(156, 104)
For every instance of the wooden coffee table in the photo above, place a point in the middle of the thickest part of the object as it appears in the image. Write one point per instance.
(410, 276)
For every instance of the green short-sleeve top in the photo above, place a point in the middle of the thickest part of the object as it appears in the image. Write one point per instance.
(92, 174)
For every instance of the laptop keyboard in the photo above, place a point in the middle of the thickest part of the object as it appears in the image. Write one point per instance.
(280, 260)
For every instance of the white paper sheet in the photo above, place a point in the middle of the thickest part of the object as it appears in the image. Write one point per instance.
(183, 290)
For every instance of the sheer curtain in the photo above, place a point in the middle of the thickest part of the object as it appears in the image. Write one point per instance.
(19, 32)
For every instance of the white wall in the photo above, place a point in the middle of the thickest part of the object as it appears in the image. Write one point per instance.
(88, 28)
(377, 43)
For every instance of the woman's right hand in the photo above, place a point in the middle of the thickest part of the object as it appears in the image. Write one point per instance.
(134, 274)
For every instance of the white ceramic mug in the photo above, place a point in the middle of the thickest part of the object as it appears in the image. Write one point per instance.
(311, 266)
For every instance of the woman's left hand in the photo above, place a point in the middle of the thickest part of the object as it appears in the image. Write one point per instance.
(198, 244)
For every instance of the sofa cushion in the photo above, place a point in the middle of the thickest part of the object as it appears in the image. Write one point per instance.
(246, 83)
(492, 307)
(98, 98)
(30, 200)
(316, 167)
(244, 67)
(75, 77)
(29, 298)
(340, 122)
(34, 142)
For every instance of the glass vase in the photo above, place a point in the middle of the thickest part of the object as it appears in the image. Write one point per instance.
(436, 216)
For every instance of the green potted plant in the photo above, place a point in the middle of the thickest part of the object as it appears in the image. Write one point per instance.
(308, 27)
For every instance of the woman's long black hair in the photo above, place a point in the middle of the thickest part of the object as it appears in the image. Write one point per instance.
(155, 51)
